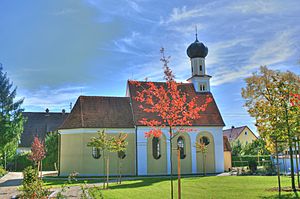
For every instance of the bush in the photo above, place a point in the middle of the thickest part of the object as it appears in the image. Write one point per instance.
(32, 185)
(19, 162)
(252, 166)
(2, 171)
(243, 161)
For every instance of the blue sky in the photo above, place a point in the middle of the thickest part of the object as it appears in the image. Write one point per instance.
(56, 50)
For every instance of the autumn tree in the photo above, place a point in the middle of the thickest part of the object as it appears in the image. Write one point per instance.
(268, 95)
(38, 153)
(11, 118)
(174, 109)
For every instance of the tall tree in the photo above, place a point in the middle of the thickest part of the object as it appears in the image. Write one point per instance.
(11, 119)
(267, 95)
(38, 153)
(175, 109)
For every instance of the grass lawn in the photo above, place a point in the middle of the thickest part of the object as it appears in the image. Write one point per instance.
(48, 183)
(197, 187)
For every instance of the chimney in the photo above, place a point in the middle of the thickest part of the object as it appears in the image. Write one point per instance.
(232, 127)
(63, 111)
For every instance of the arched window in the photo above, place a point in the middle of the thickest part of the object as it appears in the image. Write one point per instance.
(156, 148)
(181, 146)
(121, 154)
(205, 140)
(96, 153)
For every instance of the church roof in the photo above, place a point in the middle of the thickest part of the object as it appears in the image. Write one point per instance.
(210, 117)
(39, 124)
(100, 112)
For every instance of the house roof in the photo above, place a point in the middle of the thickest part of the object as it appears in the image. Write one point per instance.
(100, 112)
(39, 124)
(210, 117)
(234, 132)
(226, 144)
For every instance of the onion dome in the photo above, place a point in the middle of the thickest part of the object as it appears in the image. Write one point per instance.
(197, 49)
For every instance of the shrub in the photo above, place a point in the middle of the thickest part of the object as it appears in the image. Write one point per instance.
(19, 162)
(2, 171)
(32, 185)
(252, 166)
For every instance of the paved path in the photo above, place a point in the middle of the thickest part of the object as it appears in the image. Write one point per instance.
(9, 184)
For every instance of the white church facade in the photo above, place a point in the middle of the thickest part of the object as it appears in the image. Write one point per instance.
(144, 156)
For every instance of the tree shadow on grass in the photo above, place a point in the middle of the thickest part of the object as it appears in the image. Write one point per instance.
(140, 183)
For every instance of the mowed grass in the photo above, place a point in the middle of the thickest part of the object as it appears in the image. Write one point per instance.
(230, 187)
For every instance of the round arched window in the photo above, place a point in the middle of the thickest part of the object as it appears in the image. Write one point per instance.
(181, 145)
(156, 148)
(96, 153)
(121, 154)
(204, 140)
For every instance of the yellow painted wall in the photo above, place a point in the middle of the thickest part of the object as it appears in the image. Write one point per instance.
(186, 163)
(157, 166)
(77, 156)
(210, 155)
(244, 139)
(227, 161)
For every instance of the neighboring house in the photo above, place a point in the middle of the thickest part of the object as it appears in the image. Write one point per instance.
(39, 124)
(144, 156)
(227, 154)
(243, 134)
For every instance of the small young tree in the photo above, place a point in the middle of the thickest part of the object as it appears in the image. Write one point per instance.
(38, 153)
(119, 145)
(174, 109)
(202, 148)
(103, 143)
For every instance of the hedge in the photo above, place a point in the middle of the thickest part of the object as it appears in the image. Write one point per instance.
(242, 161)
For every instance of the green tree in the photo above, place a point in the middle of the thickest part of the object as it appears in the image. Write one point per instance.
(11, 119)
(236, 148)
(267, 95)
(51, 143)
(257, 147)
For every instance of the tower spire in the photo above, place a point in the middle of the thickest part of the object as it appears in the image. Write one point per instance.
(196, 32)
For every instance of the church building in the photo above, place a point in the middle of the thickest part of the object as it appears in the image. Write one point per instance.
(144, 156)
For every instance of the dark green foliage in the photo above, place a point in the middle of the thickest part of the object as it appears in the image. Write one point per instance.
(257, 147)
(20, 162)
(32, 185)
(243, 161)
(252, 165)
(11, 119)
(236, 148)
(51, 142)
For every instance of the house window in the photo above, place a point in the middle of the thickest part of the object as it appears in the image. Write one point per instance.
(121, 154)
(96, 152)
(181, 146)
(205, 140)
(156, 148)
(246, 133)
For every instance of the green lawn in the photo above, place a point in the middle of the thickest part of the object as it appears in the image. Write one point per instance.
(231, 187)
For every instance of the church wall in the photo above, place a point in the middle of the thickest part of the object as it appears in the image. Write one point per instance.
(208, 160)
(77, 156)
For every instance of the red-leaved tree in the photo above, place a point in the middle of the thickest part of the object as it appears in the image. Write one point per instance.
(38, 152)
(175, 110)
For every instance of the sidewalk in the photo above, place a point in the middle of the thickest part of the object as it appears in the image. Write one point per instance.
(9, 184)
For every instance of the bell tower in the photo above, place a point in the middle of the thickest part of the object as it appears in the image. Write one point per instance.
(197, 52)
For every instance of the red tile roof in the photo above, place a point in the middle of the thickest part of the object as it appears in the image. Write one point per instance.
(233, 132)
(100, 112)
(210, 117)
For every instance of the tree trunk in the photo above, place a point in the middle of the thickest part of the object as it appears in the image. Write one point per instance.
(41, 169)
(178, 172)
(104, 164)
(38, 168)
(297, 166)
(107, 172)
(171, 163)
(278, 169)
(204, 164)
